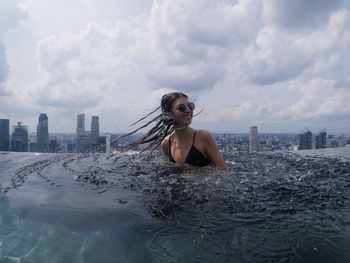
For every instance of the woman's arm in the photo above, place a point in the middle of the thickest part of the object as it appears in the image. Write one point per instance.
(212, 150)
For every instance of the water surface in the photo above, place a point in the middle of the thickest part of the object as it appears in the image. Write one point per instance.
(275, 207)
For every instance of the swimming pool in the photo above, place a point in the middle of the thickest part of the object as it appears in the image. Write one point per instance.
(139, 208)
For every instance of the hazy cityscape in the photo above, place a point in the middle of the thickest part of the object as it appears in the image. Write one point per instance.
(20, 139)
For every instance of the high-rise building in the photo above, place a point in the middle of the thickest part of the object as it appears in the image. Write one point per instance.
(42, 134)
(83, 143)
(80, 124)
(82, 136)
(321, 140)
(95, 129)
(53, 145)
(19, 138)
(305, 141)
(253, 139)
(33, 147)
(4, 134)
(269, 141)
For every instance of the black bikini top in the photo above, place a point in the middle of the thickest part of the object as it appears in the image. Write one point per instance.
(194, 157)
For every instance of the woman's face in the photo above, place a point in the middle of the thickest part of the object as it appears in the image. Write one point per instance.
(182, 118)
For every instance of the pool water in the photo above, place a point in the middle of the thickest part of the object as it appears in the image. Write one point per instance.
(268, 207)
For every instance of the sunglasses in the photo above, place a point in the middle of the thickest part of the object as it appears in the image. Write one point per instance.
(182, 107)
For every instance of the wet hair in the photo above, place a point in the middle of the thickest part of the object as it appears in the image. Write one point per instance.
(165, 123)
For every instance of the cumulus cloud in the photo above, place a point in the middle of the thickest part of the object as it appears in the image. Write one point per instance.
(318, 99)
(274, 61)
(81, 68)
(4, 67)
(337, 105)
(342, 84)
(277, 55)
(272, 57)
(176, 47)
(185, 50)
(193, 49)
(10, 14)
(299, 14)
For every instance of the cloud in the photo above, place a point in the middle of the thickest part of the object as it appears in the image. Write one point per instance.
(99, 60)
(252, 61)
(272, 57)
(299, 14)
(192, 50)
(336, 105)
(319, 98)
(183, 49)
(176, 47)
(342, 84)
(10, 14)
(277, 55)
(4, 67)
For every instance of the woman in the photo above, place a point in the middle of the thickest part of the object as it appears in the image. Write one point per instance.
(180, 142)
(185, 144)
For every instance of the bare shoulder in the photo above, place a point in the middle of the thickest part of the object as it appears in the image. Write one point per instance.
(204, 135)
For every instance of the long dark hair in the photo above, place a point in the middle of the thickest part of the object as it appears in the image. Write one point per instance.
(165, 123)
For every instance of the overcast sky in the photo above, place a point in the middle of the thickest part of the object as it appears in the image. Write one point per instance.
(282, 65)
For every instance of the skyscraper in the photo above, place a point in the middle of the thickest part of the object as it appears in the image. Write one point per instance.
(20, 138)
(82, 138)
(42, 134)
(80, 124)
(321, 140)
(95, 129)
(253, 139)
(305, 141)
(4, 134)
(83, 143)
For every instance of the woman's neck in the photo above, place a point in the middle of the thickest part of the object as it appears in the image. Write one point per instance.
(182, 131)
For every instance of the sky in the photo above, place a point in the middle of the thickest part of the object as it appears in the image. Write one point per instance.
(279, 64)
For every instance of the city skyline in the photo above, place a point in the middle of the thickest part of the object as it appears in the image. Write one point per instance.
(85, 141)
(95, 118)
(281, 65)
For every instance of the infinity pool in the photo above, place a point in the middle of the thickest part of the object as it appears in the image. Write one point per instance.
(269, 207)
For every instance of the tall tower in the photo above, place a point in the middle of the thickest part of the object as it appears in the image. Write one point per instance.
(20, 138)
(253, 139)
(4, 134)
(42, 133)
(80, 124)
(321, 140)
(308, 140)
(95, 129)
(305, 141)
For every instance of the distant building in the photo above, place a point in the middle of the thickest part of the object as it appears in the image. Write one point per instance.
(53, 146)
(253, 139)
(83, 143)
(305, 141)
(95, 129)
(71, 146)
(321, 140)
(269, 141)
(332, 142)
(80, 124)
(4, 134)
(42, 134)
(82, 138)
(33, 147)
(19, 138)
(342, 141)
